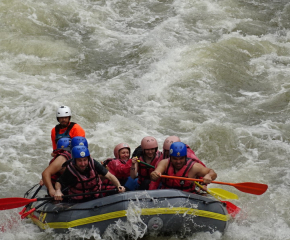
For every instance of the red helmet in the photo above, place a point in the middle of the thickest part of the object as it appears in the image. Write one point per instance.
(168, 141)
(149, 143)
(119, 147)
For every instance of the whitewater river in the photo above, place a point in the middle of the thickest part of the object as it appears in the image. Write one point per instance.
(214, 72)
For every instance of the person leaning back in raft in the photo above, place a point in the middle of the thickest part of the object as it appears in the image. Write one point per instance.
(179, 165)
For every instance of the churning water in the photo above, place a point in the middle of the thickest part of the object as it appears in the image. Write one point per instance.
(214, 72)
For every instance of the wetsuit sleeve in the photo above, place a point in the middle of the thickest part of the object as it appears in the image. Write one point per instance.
(53, 138)
(67, 179)
(77, 131)
(100, 168)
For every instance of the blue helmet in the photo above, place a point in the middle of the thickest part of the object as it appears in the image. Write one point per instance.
(80, 152)
(178, 149)
(79, 141)
(63, 143)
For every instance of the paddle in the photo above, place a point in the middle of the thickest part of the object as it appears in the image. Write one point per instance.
(24, 215)
(37, 190)
(247, 187)
(9, 203)
(232, 209)
(145, 164)
(221, 193)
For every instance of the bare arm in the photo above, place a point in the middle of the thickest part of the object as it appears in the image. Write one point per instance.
(52, 169)
(160, 169)
(58, 194)
(115, 181)
(207, 174)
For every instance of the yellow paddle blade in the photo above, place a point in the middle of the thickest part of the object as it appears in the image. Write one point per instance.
(222, 194)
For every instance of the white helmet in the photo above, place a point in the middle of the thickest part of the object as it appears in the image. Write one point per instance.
(63, 111)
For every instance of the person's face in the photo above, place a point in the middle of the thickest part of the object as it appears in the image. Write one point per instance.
(124, 154)
(149, 153)
(64, 121)
(178, 162)
(82, 163)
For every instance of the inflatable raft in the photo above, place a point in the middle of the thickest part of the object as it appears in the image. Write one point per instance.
(164, 212)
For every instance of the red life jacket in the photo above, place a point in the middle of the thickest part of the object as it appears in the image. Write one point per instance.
(59, 152)
(191, 154)
(107, 185)
(144, 171)
(119, 168)
(84, 183)
(168, 183)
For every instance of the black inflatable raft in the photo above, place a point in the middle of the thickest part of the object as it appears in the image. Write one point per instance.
(165, 212)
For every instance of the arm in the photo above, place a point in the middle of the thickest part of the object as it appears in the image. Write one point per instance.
(115, 181)
(52, 169)
(58, 194)
(198, 170)
(134, 168)
(160, 169)
(65, 180)
(104, 172)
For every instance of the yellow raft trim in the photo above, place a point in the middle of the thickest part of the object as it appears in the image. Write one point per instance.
(123, 213)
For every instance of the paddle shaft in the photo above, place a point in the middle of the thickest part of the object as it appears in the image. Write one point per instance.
(24, 215)
(78, 194)
(9, 203)
(228, 194)
(145, 163)
(37, 190)
(248, 187)
(232, 209)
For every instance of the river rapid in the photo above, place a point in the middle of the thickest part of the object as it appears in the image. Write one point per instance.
(213, 72)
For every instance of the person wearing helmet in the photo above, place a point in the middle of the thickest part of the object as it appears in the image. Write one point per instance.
(79, 141)
(82, 175)
(165, 154)
(55, 167)
(179, 165)
(171, 139)
(166, 145)
(65, 128)
(150, 155)
(119, 166)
